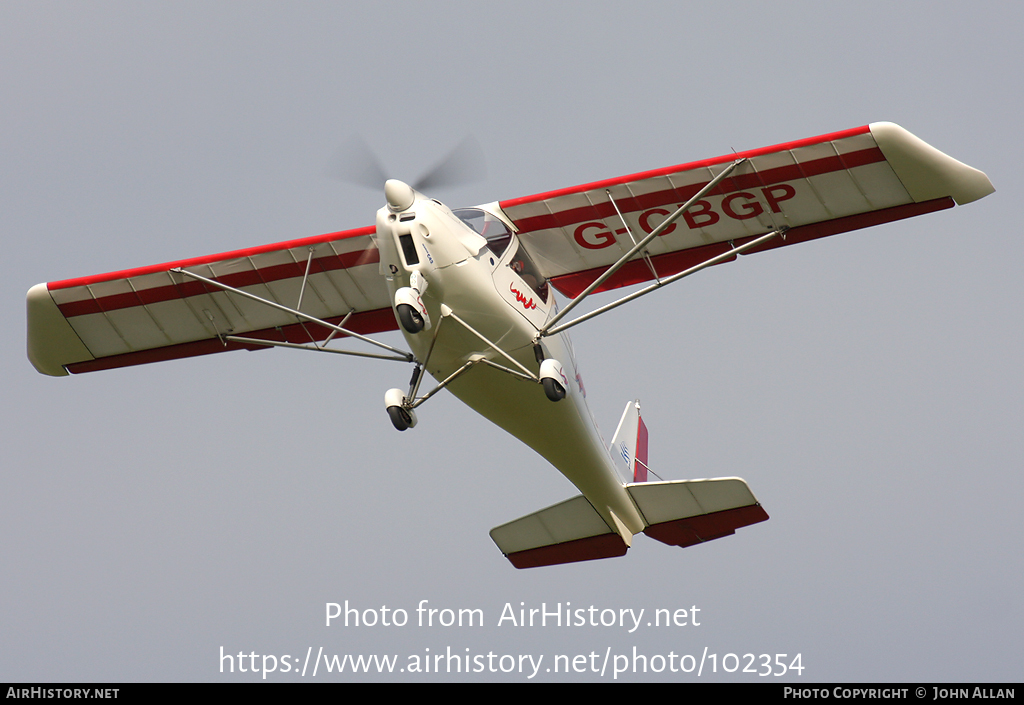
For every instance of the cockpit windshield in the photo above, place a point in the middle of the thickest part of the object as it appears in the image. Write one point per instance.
(498, 237)
(493, 230)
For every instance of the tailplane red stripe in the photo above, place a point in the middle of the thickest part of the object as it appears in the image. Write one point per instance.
(707, 527)
(588, 549)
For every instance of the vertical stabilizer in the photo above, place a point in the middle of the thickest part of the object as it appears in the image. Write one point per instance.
(629, 444)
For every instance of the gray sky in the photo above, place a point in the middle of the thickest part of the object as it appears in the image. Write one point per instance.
(867, 386)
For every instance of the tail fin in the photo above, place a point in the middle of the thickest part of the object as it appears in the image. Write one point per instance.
(629, 444)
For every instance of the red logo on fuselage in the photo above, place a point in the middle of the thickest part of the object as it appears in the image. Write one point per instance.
(522, 299)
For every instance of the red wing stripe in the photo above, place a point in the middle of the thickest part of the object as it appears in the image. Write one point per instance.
(365, 322)
(238, 280)
(573, 284)
(789, 172)
(608, 183)
(670, 263)
(209, 259)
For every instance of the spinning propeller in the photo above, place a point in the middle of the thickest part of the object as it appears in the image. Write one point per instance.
(356, 163)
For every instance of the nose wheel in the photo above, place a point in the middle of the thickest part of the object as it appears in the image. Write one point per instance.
(552, 376)
(402, 417)
(553, 390)
(410, 318)
(412, 314)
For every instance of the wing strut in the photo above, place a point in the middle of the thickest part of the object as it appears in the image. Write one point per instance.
(411, 401)
(447, 312)
(404, 356)
(312, 348)
(305, 278)
(549, 328)
(645, 254)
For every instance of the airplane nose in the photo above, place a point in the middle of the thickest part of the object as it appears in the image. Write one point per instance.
(400, 195)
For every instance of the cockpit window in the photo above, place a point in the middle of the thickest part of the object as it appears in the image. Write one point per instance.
(494, 231)
(522, 265)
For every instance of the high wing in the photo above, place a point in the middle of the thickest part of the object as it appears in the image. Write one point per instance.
(807, 189)
(153, 313)
(814, 187)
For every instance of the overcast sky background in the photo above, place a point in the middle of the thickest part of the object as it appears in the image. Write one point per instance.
(867, 386)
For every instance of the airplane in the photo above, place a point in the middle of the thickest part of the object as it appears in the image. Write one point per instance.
(472, 292)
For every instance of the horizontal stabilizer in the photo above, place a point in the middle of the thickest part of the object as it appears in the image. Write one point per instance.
(567, 532)
(687, 512)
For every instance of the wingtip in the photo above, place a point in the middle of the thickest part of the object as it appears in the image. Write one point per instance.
(926, 172)
(52, 343)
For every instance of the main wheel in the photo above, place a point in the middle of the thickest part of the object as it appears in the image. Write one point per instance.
(410, 319)
(553, 390)
(400, 418)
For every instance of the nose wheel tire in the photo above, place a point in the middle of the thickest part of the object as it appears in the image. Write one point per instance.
(410, 318)
(553, 390)
(400, 418)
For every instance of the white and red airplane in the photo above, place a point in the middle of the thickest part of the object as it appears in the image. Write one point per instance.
(471, 290)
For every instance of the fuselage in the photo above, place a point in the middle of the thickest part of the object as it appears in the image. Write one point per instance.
(471, 262)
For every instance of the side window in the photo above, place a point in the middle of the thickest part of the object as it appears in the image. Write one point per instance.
(522, 265)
